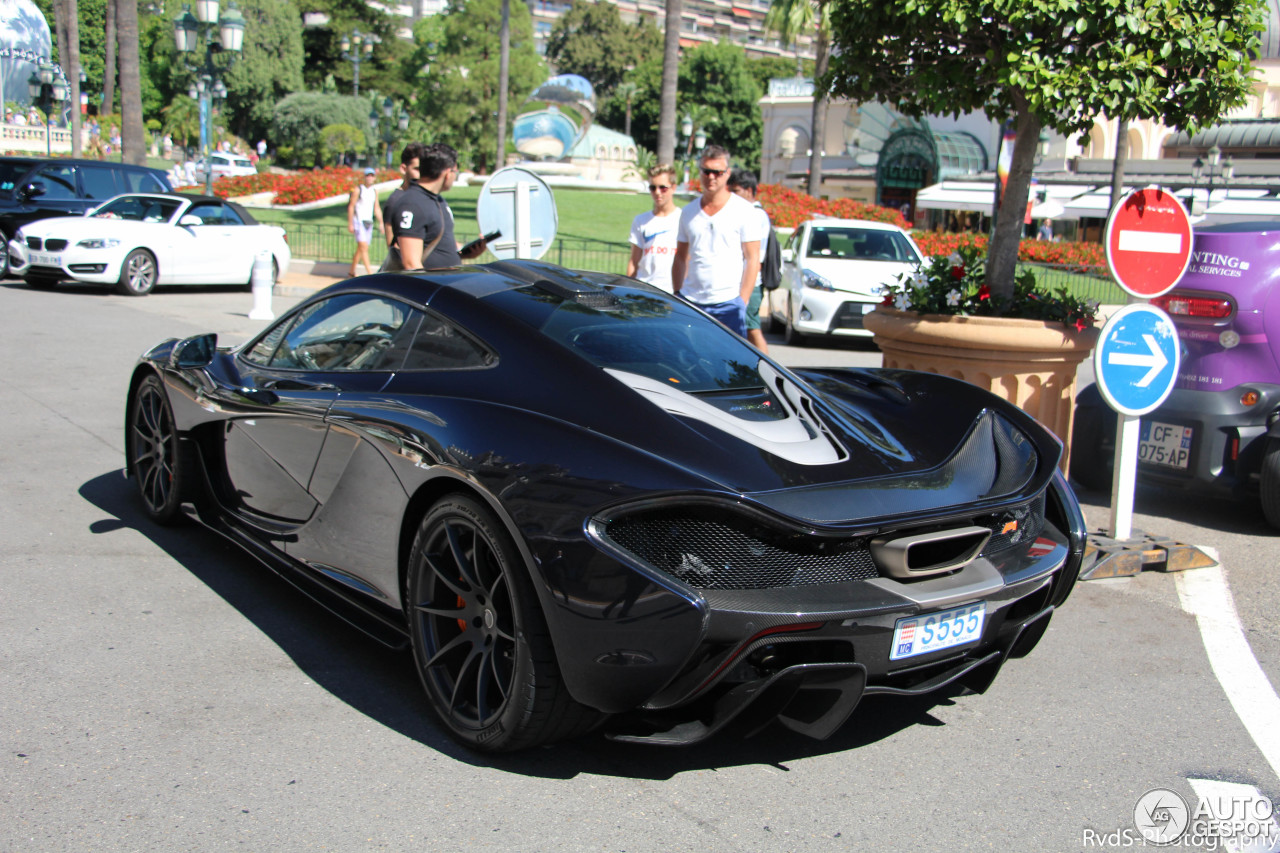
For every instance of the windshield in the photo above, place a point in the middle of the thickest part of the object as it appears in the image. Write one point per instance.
(138, 209)
(861, 244)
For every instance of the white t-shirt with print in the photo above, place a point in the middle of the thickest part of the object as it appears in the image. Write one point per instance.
(656, 237)
(714, 270)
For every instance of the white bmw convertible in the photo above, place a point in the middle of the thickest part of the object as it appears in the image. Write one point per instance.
(139, 240)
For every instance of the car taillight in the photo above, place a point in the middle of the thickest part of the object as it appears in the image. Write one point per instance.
(1183, 305)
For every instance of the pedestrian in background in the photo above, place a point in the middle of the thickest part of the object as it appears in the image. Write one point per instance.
(744, 185)
(718, 246)
(410, 158)
(363, 213)
(653, 234)
(421, 219)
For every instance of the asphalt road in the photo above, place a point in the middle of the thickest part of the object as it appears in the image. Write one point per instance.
(162, 691)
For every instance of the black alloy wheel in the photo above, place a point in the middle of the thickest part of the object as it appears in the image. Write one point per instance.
(480, 641)
(4, 255)
(138, 274)
(159, 461)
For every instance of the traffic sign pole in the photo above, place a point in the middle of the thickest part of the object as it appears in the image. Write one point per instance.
(1124, 476)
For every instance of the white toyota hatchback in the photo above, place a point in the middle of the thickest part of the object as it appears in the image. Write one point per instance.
(832, 272)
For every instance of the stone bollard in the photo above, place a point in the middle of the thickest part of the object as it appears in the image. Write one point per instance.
(262, 287)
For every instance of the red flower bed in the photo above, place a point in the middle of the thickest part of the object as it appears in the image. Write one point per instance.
(1079, 256)
(788, 208)
(298, 187)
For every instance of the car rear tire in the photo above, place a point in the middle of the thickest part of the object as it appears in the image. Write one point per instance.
(480, 641)
(1093, 442)
(1270, 485)
(791, 336)
(161, 463)
(138, 274)
(40, 282)
(4, 255)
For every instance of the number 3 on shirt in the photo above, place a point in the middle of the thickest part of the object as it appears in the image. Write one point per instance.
(406, 220)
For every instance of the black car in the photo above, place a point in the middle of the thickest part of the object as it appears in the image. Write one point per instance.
(36, 188)
(583, 502)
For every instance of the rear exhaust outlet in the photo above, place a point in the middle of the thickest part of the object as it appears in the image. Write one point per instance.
(921, 555)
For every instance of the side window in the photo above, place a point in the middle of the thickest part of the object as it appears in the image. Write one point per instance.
(354, 331)
(230, 217)
(261, 352)
(144, 182)
(210, 214)
(440, 345)
(793, 243)
(59, 182)
(99, 182)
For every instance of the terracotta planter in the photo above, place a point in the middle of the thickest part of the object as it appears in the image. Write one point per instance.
(1030, 363)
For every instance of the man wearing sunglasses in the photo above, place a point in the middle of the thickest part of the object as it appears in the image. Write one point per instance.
(653, 234)
(718, 246)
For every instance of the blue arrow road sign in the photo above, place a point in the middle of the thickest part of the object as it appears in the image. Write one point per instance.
(1136, 361)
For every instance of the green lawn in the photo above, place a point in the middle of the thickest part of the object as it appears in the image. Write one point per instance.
(583, 214)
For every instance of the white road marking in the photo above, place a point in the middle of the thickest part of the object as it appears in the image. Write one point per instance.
(1205, 595)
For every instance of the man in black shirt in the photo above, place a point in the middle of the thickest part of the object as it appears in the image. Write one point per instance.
(409, 162)
(421, 219)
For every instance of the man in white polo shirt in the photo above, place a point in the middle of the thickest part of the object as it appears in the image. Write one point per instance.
(718, 246)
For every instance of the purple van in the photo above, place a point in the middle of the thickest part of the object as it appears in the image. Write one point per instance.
(1219, 431)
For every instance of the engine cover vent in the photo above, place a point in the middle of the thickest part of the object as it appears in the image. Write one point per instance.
(919, 555)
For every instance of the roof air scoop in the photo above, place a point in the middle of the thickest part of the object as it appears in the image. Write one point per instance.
(920, 555)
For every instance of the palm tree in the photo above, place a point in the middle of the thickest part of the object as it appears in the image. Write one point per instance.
(789, 18)
(670, 73)
(182, 120)
(132, 140)
(626, 91)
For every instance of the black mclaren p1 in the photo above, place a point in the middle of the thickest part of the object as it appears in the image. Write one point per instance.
(584, 503)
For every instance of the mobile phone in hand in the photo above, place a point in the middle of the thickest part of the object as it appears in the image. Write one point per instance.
(471, 247)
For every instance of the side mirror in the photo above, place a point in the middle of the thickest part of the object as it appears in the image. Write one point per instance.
(189, 219)
(788, 256)
(194, 352)
(33, 189)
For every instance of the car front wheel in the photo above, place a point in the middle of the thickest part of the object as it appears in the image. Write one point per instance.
(161, 464)
(480, 641)
(790, 334)
(138, 273)
(4, 255)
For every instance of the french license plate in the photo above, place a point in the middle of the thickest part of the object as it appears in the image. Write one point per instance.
(1164, 444)
(45, 259)
(919, 635)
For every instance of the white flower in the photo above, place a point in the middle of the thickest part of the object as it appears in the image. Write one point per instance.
(902, 302)
(919, 279)
(955, 260)
(953, 297)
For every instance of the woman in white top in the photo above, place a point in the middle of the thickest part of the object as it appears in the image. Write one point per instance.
(653, 234)
(362, 212)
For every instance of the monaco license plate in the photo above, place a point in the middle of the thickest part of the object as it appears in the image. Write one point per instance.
(45, 259)
(1165, 444)
(919, 635)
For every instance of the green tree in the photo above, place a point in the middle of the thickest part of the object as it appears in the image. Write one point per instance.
(591, 40)
(269, 66)
(131, 133)
(645, 104)
(322, 50)
(182, 121)
(718, 74)
(766, 68)
(301, 118)
(790, 18)
(458, 92)
(1041, 64)
(337, 140)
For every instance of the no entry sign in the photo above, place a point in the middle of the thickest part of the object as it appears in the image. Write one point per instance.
(1148, 242)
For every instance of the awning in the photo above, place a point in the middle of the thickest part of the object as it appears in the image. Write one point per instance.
(1242, 210)
(956, 195)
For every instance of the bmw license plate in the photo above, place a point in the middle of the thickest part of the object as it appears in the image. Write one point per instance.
(919, 635)
(1165, 444)
(45, 259)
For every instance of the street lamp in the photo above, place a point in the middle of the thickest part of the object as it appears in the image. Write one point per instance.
(693, 140)
(47, 86)
(219, 33)
(351, 51)
(1227, 171)
(388, 127)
